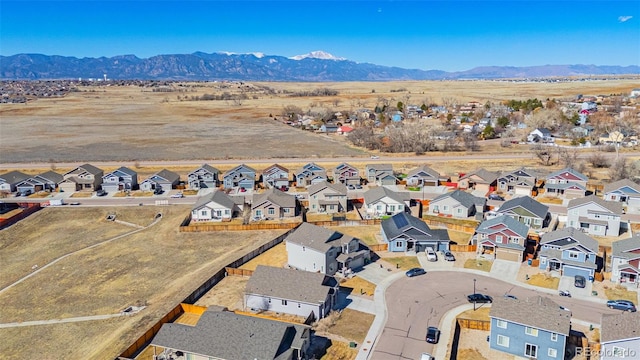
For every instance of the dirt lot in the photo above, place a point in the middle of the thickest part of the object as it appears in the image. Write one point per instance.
(158, 267)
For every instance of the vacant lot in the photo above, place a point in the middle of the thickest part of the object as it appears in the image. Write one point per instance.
(158, 267)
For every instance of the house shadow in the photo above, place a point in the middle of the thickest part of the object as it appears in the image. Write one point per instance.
(319, 346)
(342, 302)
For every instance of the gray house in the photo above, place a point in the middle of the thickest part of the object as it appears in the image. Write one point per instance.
(620, 336)
(526, 210)
(570, 252)
(241, 176)
(273, 204)
(163, 179)
(404, 232)
(8, 181)
(218, 333)
(83, 178)
(318, 249)
(380, 201)
(625, 261)
(626, 192)
(276, 176)
(518, 182)
(47, 181)
(204, 177)
(310, 174)
(290, 291)
(380, 174)
(325, 197)
(121, 179)
(595, 216)
(458, 204)
(346, 174)
(423, 176)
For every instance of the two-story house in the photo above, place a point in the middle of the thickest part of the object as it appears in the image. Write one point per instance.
(406, 233)
(346, 174)
(9, 181)
(620, 336)
(482, 181)
(318, 249)
(380, 174)
(625, 192)
(275, 176)
(518, 182)
(381, 201)
(526, 210)
(502, 237)
(204, 177)
(310, 174)
(121, 179)
(566, 183)
(540, 135)
(216, 206)
(47, 181)
(326, 197)
(571, 252)
(423, 176)
(625, 261)
(83, 178)
(531, 328)
(289, 291)
(458, 203)
(240, 177)
(595, 216)
(163, 179)
(273, 204)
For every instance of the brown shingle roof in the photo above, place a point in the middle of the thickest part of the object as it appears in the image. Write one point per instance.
(620, 327)
(538, 312)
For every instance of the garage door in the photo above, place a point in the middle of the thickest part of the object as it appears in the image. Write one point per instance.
(509, 255)
(573, 271)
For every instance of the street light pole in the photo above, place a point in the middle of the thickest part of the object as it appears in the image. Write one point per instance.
(474, 291)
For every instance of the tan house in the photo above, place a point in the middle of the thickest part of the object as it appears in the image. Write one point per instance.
(480, 180)
(273, 204)
(83, 178)
(327, 198)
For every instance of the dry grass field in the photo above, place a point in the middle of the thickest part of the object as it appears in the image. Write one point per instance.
(157, 267)
(127, 123)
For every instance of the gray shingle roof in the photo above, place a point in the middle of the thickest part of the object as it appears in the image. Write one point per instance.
(424, 168)
(91, 169)
(377, 193)
(226, 335)
(573, 233)
(275, 196)
(620, 327)
(557, 255)
(487, 176)
(621, 248)
(317, 237)
(565, 186)
(219, 197)
(613, 206)
(13, 177)
(168, 175)
(380, 167)
(416, 228)
(511, 223)
(235, 170)
(537, 312)
(51, 176)
(289, 284)
(337, 187)
(526, 202)
(620, 184)
(126, 170)
(570, 171)
(464, 198)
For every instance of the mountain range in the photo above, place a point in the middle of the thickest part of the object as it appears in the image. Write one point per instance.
(315, 66)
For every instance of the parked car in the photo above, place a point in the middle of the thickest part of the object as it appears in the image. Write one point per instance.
(299, 196)
(358, 186)
(495, 197)
(415, 272)
(158, 191)
(510, 296)
(101, 193)
(23, 193)
(375, 157)
(74, 203)
(177, 195)
(479, 298)
(579, 281)
(449, 256)
(351, 187)
(426, 356)
(625, 305)
(433, 335)
(431, 254)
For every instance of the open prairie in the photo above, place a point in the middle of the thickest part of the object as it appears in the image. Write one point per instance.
(131, 123)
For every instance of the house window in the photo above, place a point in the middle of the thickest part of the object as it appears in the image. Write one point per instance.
(531, 350)
(537, 221)
(554, 337)
(272, 211)
(258, 213)
(499, 238)
(284, 302)
(203, 212)
(531, 331)
(379, 207)
(436, 209)
(552, 352)
(286, 210)
(445, 208)
(514, 240)
(596, 228)
(459, 210)
(503, 341)
(501, 324)
(392, 208)
(543, 260)
(227, 212)
(573, 255)
(398, 243)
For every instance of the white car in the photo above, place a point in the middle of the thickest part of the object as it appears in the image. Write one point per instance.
(178, 195)
(431, 254)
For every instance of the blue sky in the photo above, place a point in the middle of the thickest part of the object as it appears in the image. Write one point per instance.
(445, 35)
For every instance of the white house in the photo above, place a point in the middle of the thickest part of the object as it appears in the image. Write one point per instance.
(216, 206)
(381, 201)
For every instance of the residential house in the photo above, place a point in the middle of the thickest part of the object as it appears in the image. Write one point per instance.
(47, 181)
(540, 135)
(405, 232)
(380, 174)
(344, 130)
(310, 174)
(216, 206)
(595, 216)
(121, 179)
(8, 181)
(567, 183)
(518, 182)
(240, 177)
(458, 203)
(326, 197)
(526, 210)
(614, 137)
(381, 201)
(318, 249)
(275, 176)
(346, 174)
(328, 128)
(273, 204)
(85, 177)
(204, 177)
(163, 179)
(532, 328)
(423, 176)
(569, 251)
(217, 335)
(502, 237)
(290, 291)
(620, 336)
(625, 261)
(624, 191)
(481, 180)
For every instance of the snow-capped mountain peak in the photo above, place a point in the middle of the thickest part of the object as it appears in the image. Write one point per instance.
(316, 55)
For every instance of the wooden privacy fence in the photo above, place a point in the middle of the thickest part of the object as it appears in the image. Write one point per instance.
(238, 227)
(474, 324)
(133, 349)
(378, 247)
(33, 207)
(466, 226)
(238, 272)
(462, 248)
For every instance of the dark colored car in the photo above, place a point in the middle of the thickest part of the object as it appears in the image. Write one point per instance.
(433, 335)
(579, 281)
(495, 197)
(415, 272)
(101, 192)
(449, 256)
(479, 298)
(509, 296)
(625, 305)
(158, 191)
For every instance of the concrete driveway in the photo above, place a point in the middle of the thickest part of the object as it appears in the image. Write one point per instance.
(375, 272)
(567, 283)
(505, 269)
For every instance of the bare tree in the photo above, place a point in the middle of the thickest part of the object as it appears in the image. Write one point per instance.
(566, 157)
(470, 141)
(620, 169)
(545, 118)
(598, 160)
(543, 153)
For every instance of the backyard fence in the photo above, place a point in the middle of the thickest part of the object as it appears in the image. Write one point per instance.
(237, 227)
(146, 338)
(238, 272)
(462, 248)
(378, 247)
(32, 207)
(474, 324)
